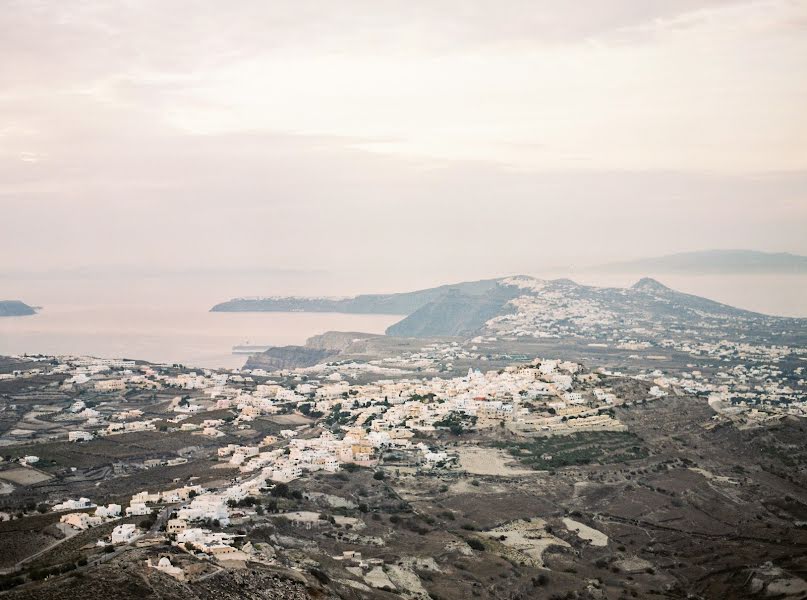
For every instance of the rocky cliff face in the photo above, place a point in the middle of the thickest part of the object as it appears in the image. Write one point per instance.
(454, 314)
(337, 340)
(288, 357)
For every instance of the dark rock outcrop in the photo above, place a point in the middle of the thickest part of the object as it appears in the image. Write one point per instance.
(288, 357)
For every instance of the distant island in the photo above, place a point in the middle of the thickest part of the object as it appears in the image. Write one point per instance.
(713, 262)
(366, 304)
(528, 307)
(15, 308)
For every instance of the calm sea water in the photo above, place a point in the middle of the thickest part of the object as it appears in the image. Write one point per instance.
(188, 335)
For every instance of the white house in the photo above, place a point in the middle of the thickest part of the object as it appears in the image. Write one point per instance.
(206, 506)
(123, 534)
(73, 504)
(136, 509)
(110, 512)
(80, 521)
(110, 385)
(79, 436)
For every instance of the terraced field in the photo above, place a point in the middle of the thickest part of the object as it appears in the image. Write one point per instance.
(599, 447)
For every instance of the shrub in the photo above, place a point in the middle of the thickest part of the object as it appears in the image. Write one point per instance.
(476, 544)
(321, 576)
(281, 490)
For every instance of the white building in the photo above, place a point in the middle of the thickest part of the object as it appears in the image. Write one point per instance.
(81, 521)
(79, 436)
(137, 509)
(110, 385)
(123, 534)
(206, 506)
(73, 505)
(110, 512)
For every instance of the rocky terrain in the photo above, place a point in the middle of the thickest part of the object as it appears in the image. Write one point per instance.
(287, 357)
(528, 307)
(554, 441)
(676, 501)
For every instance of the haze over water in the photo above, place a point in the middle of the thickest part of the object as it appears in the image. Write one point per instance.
(190, 335)
(165, 319)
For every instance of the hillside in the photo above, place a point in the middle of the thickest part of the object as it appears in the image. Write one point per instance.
(389, 304)
(455, 314)
(525, 307)
(646, 312)
(15, 308)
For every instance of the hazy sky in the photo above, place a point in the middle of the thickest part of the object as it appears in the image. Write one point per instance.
(444, 139)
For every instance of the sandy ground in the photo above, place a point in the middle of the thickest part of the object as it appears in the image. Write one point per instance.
(489, 461)
(794, 586)
(223, 465)
(528, 538)
(378, 579)
(404, 579)
(290, 420)
(712, 477)
(633, 564)
(22, 476)
(584, 532)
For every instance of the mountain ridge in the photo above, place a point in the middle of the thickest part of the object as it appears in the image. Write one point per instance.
(526, 306)
(713, 262)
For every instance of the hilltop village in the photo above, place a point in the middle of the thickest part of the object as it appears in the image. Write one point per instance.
(220, 454)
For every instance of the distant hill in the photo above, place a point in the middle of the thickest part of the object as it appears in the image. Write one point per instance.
(713, 262)
(383, 304)
(15, 308)
(525, 307)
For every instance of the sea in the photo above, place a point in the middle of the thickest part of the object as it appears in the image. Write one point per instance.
(162, 320)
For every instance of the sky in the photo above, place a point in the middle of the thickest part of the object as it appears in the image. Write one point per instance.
(370, 141)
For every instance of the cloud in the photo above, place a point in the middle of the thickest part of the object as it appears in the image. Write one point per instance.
(436, 137)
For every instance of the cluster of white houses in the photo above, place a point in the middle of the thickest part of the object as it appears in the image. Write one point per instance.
(541, 396)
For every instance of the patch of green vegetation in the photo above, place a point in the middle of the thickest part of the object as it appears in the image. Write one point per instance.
(596, 447)
(338, 416)
(457, 422)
